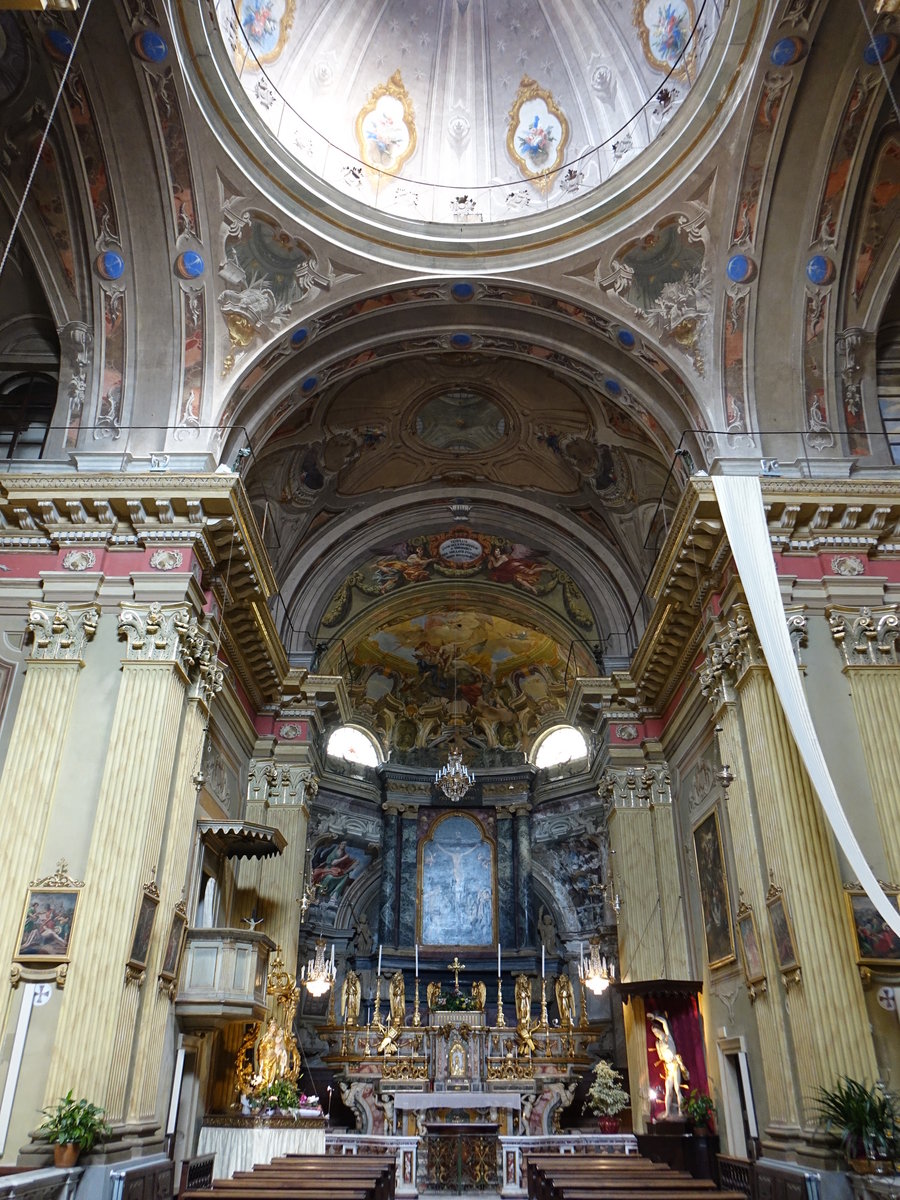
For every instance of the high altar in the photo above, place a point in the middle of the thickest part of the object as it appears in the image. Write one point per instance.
(461, 1060)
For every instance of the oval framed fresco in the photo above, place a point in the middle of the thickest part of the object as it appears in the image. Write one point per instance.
(265, 25)
(537, 134)
(386, 127)
(664, 27)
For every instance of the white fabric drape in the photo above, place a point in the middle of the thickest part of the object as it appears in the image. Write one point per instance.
(741, 506)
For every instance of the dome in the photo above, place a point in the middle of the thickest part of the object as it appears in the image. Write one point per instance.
(466, 111)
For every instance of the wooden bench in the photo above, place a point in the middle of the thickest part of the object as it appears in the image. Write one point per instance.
(596, 1177)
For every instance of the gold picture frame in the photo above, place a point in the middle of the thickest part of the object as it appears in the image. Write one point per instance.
(751, 949)
(876, 943)
(174, 943)
(783, 934)
(142, 930)
(386, 127)
(45, 933)
(712, 883)
(535, 145)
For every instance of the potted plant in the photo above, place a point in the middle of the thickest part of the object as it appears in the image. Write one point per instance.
(73, 1126)
(866, 1119)
(279, 1096)
(700, 1111)
(606, 1097)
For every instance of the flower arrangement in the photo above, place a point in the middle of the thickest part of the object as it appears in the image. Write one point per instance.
(699, 1108)
(454, 1002)
(280, 1098)
(606, 1097)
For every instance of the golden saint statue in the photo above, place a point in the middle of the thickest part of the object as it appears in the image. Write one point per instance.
(479, 994)
(274, 1061)
(350, 998)
(565, 1001)
(398, 1000)
(523, 1000)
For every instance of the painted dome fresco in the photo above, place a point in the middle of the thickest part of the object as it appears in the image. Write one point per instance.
(464, 111)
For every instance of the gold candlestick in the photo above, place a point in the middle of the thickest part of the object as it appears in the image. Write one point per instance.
(501, 1020)
(544, 1020)
(584, 1021)
(376, 1019)
(417, 1020)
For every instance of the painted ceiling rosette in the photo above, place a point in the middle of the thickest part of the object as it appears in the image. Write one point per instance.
(470, 110)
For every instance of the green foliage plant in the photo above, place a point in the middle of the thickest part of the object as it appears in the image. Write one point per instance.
(75, 1122)
(606, 1097)
(279, 1094)
(698, 1108)
(866, 1119)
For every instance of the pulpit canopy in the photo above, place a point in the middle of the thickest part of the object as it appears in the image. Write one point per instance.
(241, 839)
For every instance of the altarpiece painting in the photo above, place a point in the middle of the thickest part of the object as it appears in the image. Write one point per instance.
(457, 884)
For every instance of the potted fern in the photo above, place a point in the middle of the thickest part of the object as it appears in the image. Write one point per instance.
(866, 1119)
(606, 1097)
(73, 1126)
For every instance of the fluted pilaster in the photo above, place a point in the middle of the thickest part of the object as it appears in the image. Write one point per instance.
(774, 1038)
(281, 877)
(869, 642)
(96, 1022)
(31, 768)
(828, 1021)
(151, 1033)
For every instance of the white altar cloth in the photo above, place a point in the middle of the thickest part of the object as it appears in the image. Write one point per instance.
(419, 1101)
(239, 1149)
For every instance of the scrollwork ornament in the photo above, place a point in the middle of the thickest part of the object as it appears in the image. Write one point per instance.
(866, 636)
(61, 633)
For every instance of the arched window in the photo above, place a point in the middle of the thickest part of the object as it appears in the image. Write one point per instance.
(26, 410)
(563, 744)
(354, 745)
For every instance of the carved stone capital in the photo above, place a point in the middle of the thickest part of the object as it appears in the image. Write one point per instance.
(636, 787)
(291, 785)
(166, 633)
(60, 633)
(866, 636)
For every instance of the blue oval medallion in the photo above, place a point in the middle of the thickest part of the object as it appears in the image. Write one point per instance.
(110, 265)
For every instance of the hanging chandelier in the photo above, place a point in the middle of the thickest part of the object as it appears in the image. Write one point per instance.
(318, 975)
(454, 778)
(596, 974)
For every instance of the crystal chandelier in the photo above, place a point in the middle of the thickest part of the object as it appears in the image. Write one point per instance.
(318, 975)
(596, 974)
(454, 778)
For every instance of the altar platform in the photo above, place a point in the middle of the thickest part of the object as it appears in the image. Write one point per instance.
(240, 1142)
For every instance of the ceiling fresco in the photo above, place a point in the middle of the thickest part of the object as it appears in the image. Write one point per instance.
(537, 102)
(462, 556)
(495, 682)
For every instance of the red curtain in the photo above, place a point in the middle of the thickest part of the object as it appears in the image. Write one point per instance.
(683, 1016)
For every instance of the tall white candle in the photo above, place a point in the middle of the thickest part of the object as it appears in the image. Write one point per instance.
(379, 960)
(581, 955)
(417, 960)
(543, 948)
(332, 958)
(498, 960)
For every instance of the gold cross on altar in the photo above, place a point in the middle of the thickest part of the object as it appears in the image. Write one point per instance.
(456, 966)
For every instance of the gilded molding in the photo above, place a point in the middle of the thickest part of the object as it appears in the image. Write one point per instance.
(866, 636)
(736, 649)
(61, 633)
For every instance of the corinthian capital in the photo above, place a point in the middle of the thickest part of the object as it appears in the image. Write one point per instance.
(866, 636)
(171, 634)
(60, 633)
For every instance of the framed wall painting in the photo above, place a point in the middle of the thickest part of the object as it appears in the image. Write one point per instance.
(876, 943)
(174, 943)
(713, 885)
(751, 951)
(783, 933)
(143, 928)
(47, 923)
